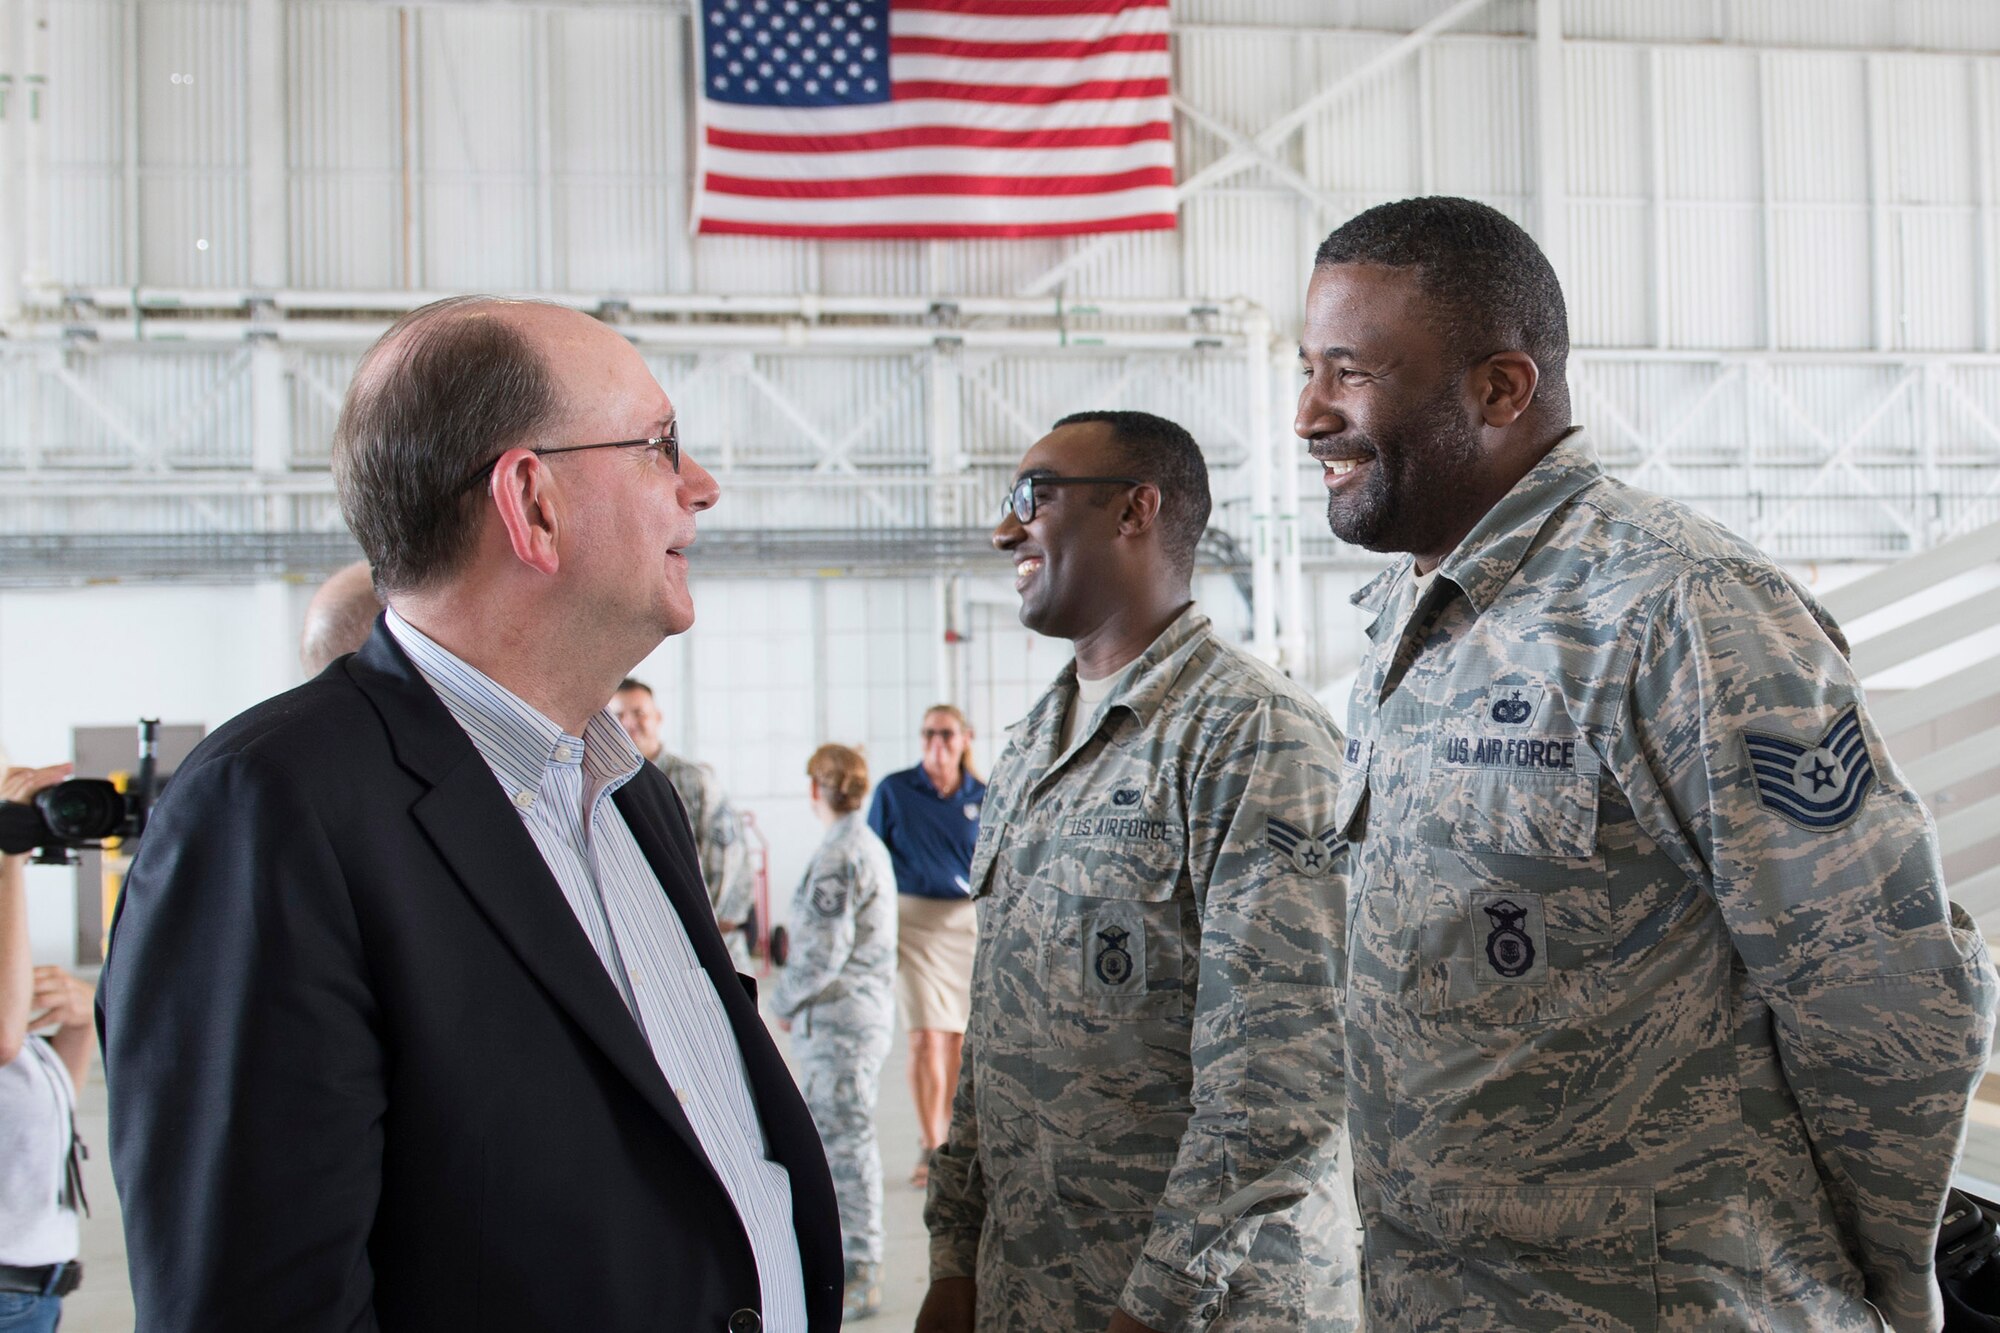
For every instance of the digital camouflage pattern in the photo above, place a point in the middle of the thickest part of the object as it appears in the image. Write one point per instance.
(838, 990)
(1657, 1017)
(718, 843)
(1149, 1110)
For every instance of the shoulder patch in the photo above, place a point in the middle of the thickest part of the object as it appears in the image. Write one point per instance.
(829, 897)
(1310, 853)
(1818, 786)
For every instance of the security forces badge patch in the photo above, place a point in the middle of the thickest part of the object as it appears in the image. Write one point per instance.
(1510, 942)
(1310, 853)
(1113, 962)
(1818, 786)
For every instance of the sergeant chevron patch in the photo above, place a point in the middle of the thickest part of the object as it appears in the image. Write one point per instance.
(1311, 854)
(1819, 786)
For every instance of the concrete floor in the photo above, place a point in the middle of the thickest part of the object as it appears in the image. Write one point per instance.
(104, 1303)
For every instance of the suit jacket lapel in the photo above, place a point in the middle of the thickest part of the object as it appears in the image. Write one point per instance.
(481, 839)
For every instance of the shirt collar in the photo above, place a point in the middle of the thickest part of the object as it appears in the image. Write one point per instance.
(517, 741)
(1487, 558)
(1142, 685)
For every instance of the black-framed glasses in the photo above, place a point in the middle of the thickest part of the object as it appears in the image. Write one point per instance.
(668, 444)
(1020, 502)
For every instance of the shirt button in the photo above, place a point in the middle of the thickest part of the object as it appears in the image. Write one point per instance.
(524, 799)
(562, 754)
(746, 1321)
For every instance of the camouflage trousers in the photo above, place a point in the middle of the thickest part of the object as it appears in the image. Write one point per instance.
(840, 1073)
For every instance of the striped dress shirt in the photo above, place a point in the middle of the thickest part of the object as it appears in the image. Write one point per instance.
(561, 786)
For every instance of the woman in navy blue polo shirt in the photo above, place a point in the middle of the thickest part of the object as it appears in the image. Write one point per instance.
(928, 817)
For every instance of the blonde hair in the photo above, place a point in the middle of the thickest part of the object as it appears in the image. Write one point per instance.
(965, 765)
(842, 775)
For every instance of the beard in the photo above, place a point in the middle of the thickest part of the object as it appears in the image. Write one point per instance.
(1419, 484)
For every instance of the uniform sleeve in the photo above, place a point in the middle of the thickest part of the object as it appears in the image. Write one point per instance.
(246, 1075)
(822, 929)
(1270, 1105)
(733, 886)
(1751, 760)
(955, 1206)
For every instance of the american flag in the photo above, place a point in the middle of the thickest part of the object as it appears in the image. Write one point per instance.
(934, 118)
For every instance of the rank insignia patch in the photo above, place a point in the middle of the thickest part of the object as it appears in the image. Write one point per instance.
(829, 897)
(1113, 962)
(1818, 786)
(1125, 796)
(1310, 853)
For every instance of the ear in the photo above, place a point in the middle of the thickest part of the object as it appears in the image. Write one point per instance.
(1142, 507)
(1503, 385)
(521, 490)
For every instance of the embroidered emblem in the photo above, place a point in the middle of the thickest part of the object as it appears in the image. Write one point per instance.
(1819, 786)
(1126, 796)
(1311, 853)
(972, 809)
(829, 897)
(1508, 947)
(1513, 709)
(1113, 963)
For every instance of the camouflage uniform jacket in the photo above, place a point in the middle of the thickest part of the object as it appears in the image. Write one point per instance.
(843, 934)
(1657, 1015)
(1149, 1111)
(718, 836)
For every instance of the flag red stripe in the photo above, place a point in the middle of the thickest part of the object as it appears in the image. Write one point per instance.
(879, 186)
(1037, 9)
(1102, 89)
(941, 136)
(872, 231)
(944, 46)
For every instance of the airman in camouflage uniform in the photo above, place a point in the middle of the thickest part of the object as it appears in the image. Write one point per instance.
(837, 989)
(1657, 1014)
(1149, 1115)
(719, 842)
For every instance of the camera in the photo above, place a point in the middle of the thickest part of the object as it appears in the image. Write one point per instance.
(83, 812)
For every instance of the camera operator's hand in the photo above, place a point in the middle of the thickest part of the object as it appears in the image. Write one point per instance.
(21, 784)
(61, 1000)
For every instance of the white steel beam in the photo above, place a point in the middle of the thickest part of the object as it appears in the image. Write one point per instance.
(1257, 388)
(1268, 140)
(1976, 823)
(12, 110)
(1906, 578)
(1928, 633)
(270, 225)
(34, 53)
(1551, 151)
(1953, 764)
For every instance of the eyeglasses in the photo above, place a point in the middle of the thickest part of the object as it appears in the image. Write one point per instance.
(1020, 502)
(668, 444)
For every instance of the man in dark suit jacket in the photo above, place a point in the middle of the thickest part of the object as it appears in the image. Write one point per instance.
(384, 1037)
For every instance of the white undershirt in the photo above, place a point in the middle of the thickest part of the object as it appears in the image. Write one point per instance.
(1089, 694)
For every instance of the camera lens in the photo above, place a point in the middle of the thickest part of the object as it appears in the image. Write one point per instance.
(82, 809)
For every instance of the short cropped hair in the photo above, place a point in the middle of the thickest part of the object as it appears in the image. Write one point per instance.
(842, 775)
(628, 684)
(1489, 285)
(439, 394)
(1159, 451)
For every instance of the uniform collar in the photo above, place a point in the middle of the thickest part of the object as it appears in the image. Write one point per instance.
(1140, 687)
(1481, 565)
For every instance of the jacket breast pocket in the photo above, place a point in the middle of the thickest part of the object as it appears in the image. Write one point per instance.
(1516, 928)
(1119, 958)
(1526, 1252)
